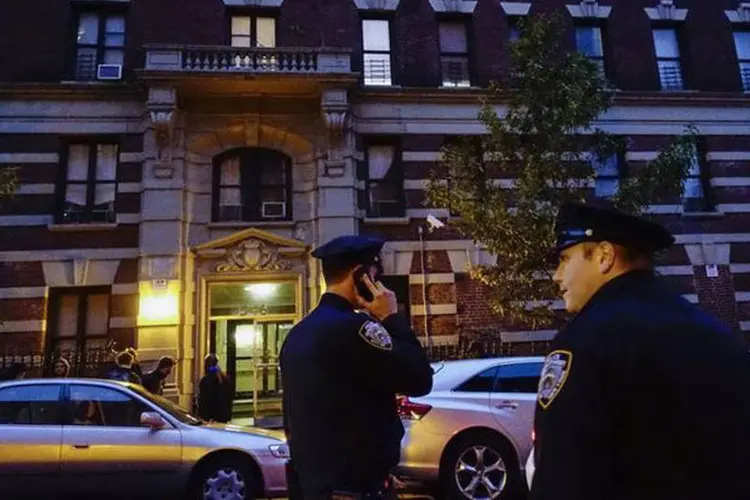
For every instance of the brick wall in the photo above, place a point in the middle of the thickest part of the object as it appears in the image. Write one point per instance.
(717, 294)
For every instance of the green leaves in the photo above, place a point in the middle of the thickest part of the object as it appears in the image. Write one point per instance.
(8, 181)
(507, 184)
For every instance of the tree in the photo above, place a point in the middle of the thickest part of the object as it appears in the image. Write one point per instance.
(506, 184)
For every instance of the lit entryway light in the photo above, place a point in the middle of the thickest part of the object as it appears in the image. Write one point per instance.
(261, 290)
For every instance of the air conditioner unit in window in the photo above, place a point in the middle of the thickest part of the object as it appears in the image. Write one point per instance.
(273, 210)
(109, 72)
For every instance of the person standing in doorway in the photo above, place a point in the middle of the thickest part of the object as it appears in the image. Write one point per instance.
(643, 395)
(341, 373)
(215, 392)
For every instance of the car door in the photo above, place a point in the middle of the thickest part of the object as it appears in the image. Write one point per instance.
(513, 400)
(30, 438)
(106, 448)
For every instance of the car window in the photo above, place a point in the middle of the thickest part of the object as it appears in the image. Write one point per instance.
(482, 382)
(30, 405)
(518, 377)
(174, 410)
(92, 405)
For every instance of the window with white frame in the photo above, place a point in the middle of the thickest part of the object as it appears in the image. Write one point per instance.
(667, 48)
(253, 31)
(607, 173)
(454, 55)
(90, 183)
(100, 39)
(385, 183)
(742, 43)
(694, 185)
(376, 45)
(251, 184)
(589, 43)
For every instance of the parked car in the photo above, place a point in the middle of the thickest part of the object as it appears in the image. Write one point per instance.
(471, 435)
(81, 437)
(530, 468)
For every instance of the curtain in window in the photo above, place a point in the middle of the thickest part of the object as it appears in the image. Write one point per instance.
(78, 172)
(380, 159)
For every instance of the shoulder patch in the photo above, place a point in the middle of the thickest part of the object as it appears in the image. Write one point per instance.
(554, 374)
(376, 335)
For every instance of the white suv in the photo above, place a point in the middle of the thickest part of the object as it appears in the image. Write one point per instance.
(472, 433)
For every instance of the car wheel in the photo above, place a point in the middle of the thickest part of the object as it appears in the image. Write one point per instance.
(223, 479)
(479, 466)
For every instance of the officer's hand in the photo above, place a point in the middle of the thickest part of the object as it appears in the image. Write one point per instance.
(384, 302)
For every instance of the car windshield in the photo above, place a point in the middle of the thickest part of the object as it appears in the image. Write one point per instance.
(176, 411)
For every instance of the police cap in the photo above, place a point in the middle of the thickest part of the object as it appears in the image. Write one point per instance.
(351, 249)
(579, 223)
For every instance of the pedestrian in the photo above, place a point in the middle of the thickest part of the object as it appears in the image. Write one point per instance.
(60, 367)
(341, 372)
(643, 396)
(155, 380)
(123, 369)
(215, 392)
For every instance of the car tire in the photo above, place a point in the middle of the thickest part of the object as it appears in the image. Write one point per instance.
(223, 477)
(461, 468)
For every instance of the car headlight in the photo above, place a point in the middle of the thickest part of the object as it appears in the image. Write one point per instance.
(280, 450)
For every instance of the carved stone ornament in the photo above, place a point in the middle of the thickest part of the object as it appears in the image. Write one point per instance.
(162, 120)
(253, 255)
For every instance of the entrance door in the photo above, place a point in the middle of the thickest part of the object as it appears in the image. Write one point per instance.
(253, 356)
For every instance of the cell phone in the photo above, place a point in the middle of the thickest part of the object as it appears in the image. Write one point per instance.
(362, 289)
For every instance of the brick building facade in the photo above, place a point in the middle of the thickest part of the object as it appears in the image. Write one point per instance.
(178, 160)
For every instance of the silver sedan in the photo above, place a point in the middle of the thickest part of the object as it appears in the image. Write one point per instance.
(97, 438)
(472, 434)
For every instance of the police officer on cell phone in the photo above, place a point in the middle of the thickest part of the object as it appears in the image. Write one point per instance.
(342, 367)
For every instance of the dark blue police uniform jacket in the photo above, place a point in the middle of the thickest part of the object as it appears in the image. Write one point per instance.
(643, 396)
(341, 372)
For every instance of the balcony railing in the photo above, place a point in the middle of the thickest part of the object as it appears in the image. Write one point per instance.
(213, 59)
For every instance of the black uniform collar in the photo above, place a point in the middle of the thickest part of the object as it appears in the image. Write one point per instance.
(625, 281)
(336, 301)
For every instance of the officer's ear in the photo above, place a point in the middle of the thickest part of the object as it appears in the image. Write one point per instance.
(606, 256)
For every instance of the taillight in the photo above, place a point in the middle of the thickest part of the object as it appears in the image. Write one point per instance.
(533, 436)
(409, 410)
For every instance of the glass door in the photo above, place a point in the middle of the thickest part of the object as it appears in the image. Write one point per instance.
(253, 356)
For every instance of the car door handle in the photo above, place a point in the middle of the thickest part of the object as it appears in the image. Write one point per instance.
(81, 446)
(507, 405)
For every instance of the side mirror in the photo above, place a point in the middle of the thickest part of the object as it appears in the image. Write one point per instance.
(152, 420)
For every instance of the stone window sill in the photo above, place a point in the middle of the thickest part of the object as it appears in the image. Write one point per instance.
(245, 225)
(387, 221)
(97, 226)
(703, 215)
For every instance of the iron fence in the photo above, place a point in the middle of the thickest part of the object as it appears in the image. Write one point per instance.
(88, 361)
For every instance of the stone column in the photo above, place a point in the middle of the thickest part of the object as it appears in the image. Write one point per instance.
(166, 282)
(336, 211)
(713, 280)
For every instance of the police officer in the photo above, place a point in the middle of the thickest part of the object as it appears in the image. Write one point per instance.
(643, 395)
(341, 372)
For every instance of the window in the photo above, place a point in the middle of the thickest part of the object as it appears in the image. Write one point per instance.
(484, 382)
(742, 43)
(78, 320)
(30, 405)
(589, 43)
(93, 405)
(514, 30)
(385, 181)
(253, 31)
(696, 184)
(89, 184)
(607, 173)
(668, 59)
(376, 44)
(518, 378)
(454, 55)
(252, 184)
(100, 39)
